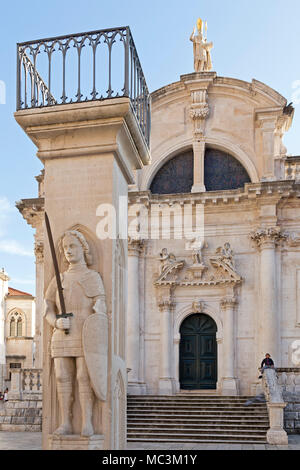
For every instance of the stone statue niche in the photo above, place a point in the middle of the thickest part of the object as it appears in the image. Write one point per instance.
(78, 345)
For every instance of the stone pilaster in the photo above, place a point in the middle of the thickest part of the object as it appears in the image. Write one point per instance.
(135, 387)
(229, 381)
(266, 240)
(166, 306)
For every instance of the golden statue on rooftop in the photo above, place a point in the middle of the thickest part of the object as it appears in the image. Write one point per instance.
(202, 55)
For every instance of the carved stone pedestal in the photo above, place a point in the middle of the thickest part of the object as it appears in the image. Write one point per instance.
(276, 435)
(76, 442)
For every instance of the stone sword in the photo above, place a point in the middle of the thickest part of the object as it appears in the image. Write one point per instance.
(63, 314)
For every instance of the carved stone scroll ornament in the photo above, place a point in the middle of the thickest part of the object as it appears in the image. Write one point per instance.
(199, 111)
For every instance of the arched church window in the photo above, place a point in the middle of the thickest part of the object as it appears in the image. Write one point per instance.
(221, 172)
(176, 176)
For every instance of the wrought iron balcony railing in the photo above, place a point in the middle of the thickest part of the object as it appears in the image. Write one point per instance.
(83, 67)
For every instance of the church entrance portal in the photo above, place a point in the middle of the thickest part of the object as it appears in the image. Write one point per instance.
(198, 353)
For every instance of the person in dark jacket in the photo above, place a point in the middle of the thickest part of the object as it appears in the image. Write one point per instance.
(267, 363)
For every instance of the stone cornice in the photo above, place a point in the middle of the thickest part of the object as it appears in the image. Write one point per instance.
(263, 191)
(250, 88)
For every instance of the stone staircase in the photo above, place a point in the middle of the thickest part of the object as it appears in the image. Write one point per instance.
(196, 419)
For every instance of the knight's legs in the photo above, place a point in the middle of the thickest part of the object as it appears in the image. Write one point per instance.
(64, 372)
(86, 397)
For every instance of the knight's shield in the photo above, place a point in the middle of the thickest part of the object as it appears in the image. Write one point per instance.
(95, 347)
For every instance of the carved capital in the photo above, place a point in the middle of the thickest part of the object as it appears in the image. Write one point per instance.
(268, 237)
(135, 246)
(228, 303)
(39, 251)
(33, 211)
(166, 304)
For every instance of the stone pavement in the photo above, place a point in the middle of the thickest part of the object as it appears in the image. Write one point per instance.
(33, 441)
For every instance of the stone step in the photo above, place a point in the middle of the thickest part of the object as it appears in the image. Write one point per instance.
(196, 410)
(188, 398)
(159, 419)
(234, 440)
(191, 407)
(195, 414)
(184, 437)
(195, 430)
(188, 424)
(192, 427)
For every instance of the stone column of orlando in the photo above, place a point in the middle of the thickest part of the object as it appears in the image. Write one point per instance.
(89, 146)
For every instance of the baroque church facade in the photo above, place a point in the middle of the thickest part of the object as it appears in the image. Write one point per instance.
(202, 313)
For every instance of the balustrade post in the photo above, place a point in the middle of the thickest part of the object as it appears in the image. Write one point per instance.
(15, 392)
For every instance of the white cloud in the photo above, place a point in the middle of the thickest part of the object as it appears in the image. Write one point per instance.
(12, 247)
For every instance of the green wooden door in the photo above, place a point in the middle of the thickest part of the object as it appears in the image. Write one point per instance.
(198, 353)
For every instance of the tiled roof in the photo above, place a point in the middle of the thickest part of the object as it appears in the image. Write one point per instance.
(12, 291)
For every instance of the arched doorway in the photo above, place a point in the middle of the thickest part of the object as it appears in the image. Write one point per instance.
(198, 353)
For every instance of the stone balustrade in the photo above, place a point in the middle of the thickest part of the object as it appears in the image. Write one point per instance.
(274, 395)
(289, 379)
(25, 382)
(292, 168)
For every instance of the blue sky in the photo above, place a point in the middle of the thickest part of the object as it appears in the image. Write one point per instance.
(252, 39)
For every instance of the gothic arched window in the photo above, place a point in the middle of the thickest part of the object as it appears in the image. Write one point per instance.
(16, 325)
